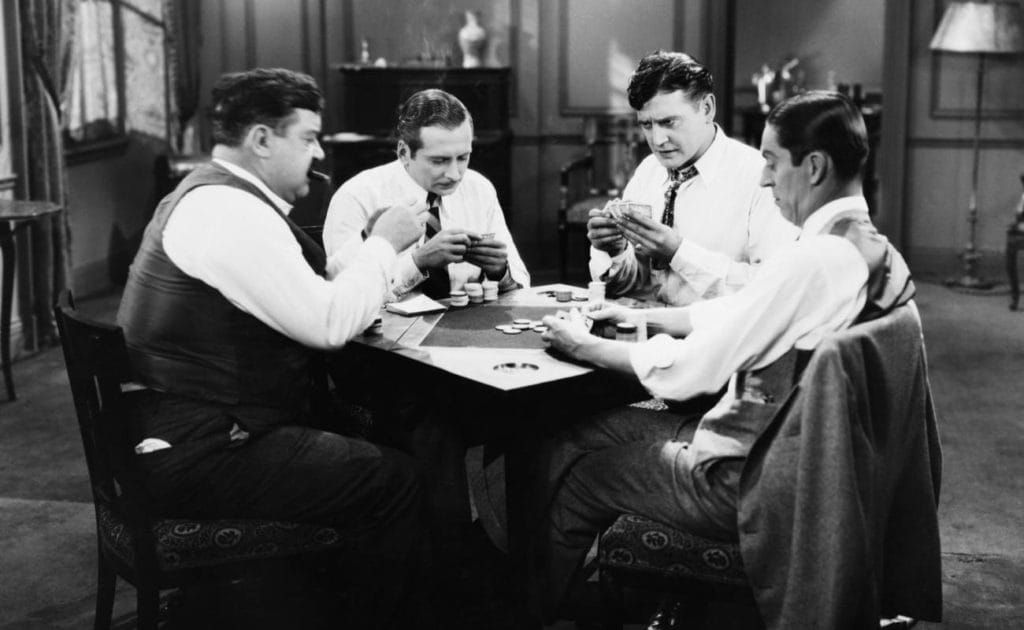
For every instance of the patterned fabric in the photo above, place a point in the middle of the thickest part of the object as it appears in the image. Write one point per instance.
(668, 216)
(437, 284)
(187, 543)
(634, 543)
(652, 404)
(677, 179)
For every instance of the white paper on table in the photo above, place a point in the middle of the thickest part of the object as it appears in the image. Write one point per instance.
(415, 305)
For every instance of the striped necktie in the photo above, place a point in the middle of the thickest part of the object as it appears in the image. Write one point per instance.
(668, 215)
(678, 178)
(437, 285)
(433, 225)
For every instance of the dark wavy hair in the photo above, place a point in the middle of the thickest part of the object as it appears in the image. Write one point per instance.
(428, 108)
(666, 71)
(267, 96)
(822, 121)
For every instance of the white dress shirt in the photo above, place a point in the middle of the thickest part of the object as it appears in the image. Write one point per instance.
(814, 286)
(237, 244)
(473, 206)
(728, 222)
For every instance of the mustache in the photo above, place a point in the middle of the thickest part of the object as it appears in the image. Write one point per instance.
(317, 175)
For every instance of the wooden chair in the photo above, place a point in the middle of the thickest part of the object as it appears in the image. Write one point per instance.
(149, 551)
(640, 553)
(581, 187)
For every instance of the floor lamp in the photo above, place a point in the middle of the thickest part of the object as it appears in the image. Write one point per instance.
(978, 28)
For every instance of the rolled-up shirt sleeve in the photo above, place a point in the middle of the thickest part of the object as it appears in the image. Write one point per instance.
(811, 289)
(238, 245)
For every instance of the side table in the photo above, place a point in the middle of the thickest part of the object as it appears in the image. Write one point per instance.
(14, 215)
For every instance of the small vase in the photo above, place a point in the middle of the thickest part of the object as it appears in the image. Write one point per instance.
(472, 39)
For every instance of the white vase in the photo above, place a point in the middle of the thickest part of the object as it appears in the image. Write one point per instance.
(472, 39)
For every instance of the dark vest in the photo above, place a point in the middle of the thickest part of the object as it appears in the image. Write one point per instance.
(185, 338)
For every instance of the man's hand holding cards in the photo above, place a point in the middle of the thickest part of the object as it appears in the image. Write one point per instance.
(487, 253)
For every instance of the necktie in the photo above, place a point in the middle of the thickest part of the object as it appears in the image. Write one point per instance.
(434, 221)
(437, 285)
(678, 178)
(668, 215)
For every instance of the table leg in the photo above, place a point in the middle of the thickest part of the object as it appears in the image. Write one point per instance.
(519, 498)
(6, 293)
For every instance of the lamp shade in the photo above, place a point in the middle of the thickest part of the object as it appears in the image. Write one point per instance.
(981, 27)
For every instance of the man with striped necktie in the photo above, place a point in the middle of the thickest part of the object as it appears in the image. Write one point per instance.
(467, 239)
(712, 224)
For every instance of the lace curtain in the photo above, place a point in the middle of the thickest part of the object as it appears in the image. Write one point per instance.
(159, 57)
(90, 105)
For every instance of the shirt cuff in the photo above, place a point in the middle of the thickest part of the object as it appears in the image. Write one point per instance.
(656, 353)
(407, 274)
(603, 265)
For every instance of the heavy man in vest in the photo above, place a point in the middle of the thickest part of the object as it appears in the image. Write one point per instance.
(839, 271)
(226, 301)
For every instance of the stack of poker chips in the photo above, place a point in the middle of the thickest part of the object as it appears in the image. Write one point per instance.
(490, 288)
(475, 291)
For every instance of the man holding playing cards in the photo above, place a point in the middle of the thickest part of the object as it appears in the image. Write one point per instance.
(466, 238)
(710, 223)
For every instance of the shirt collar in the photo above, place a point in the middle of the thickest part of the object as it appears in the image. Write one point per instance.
(238, 171)
(823, 216)
(409, 185)
(710, 164)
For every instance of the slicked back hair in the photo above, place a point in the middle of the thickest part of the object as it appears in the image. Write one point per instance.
(666, 71)
(267, 96)
(428, 108)
(822, 121)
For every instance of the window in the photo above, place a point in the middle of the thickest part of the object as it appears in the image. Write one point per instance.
(117, 82)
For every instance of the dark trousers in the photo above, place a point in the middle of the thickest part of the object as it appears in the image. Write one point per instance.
(371, 494)
(627, 461)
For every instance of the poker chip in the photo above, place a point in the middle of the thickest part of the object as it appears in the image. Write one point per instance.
(540, 329)
(580, 297)
(525, 326)
(520, 321)
(504, 327)
(511, 331)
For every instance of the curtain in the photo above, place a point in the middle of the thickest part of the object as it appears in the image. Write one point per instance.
(181, 18)
(47, 37)
(90, 107)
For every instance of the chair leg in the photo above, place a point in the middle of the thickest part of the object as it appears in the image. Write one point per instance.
(147, 603)
(105, 583)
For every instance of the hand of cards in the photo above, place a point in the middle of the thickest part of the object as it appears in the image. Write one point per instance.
(621, 210)
(476, 240)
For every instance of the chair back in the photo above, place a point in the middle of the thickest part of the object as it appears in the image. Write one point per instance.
(97, 365)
